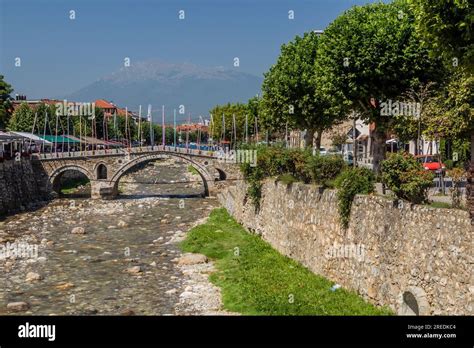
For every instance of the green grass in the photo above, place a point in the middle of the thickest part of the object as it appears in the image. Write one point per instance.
(70, 186)
(257, 280)
(192, 170)
(440, 205)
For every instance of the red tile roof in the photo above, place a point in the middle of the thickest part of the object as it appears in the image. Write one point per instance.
(104, 104)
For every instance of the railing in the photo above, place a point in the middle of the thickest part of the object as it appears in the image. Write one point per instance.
(124, 151)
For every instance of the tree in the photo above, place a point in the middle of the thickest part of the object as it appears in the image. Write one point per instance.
(240, 111)
(446, 27)
(22, 119)
(291, 94)
(5, 103)
(450, 112)
(369, 54)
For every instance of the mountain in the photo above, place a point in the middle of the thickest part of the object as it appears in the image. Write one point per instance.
(157, 83)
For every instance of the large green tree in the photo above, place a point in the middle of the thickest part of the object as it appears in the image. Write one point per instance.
(5, 102)
(22, 119)
(446, 27)
(292, 94)
(369, 54)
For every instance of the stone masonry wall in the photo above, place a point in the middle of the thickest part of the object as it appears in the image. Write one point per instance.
(415, 259)
(20, 186)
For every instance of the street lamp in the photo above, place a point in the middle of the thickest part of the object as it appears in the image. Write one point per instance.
(318, 32)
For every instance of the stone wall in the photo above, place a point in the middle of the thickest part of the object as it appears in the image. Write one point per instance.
(20, 186)
(414, 259)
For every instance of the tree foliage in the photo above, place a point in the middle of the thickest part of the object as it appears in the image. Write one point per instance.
(291, 94)
(5, 103)
(372, 53)
(446, 27)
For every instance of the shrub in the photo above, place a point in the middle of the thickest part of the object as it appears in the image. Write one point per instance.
(457, 175)
(406, 178)
(349, 183)
(298, 165)
(324, 169)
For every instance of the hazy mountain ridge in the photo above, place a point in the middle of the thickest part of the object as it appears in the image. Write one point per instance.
(157, 83)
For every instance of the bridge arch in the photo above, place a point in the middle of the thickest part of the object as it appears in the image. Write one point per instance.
(101, 171)
(206, 177)
(54, 177)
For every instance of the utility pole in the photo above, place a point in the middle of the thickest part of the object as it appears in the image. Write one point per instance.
(354, 141)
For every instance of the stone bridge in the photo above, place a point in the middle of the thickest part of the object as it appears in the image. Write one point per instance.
(104, 168)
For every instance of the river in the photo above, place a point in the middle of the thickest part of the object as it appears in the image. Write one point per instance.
(124, 262)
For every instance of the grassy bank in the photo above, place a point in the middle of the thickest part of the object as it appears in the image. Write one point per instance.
(70, 186)
(257, 280)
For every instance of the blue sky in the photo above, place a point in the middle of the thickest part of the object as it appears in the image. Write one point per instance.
(60, 55)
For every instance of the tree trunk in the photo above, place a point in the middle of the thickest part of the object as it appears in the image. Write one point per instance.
(317, 141)
(308, 139)
(378, 150)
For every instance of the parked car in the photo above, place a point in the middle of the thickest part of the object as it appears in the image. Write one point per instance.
(322, 151)
(431, 162)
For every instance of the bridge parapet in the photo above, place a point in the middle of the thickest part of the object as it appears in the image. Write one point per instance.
(104, 168)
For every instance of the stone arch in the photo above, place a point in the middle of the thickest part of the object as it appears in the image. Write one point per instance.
(56, 175)
(206, 177)
(101, 171)
(412, 301)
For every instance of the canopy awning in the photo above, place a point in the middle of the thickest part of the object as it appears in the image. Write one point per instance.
(31, 137)
(58, 139)
(93, 141)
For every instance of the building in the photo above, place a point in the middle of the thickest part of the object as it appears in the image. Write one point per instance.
(109, 108)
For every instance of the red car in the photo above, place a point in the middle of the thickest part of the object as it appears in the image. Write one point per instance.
(431, 162)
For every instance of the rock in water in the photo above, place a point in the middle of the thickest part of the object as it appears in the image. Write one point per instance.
(18, 306)
(78, 230)
(192, 259)
(122, 223)
(134, 270)
(32, 276)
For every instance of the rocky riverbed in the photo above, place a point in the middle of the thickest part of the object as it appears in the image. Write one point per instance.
(121, 257)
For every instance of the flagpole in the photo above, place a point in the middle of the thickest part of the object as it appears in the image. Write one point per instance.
(140, 125)
(163, 135)
(174, 125)
(246, 128)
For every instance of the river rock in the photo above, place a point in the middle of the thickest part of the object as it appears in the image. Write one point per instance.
(122, 223)
(78, 230)
(64, 286)
(32, 276)
(18, 306)
(134, 270)
(192, 259)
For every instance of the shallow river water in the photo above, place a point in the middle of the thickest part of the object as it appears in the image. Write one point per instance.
(124, 263)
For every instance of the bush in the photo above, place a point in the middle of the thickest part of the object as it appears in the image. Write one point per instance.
(458, 175)
(406, 177)
(349, 183)
(298, 165)
(449, 164)
(324, 169)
